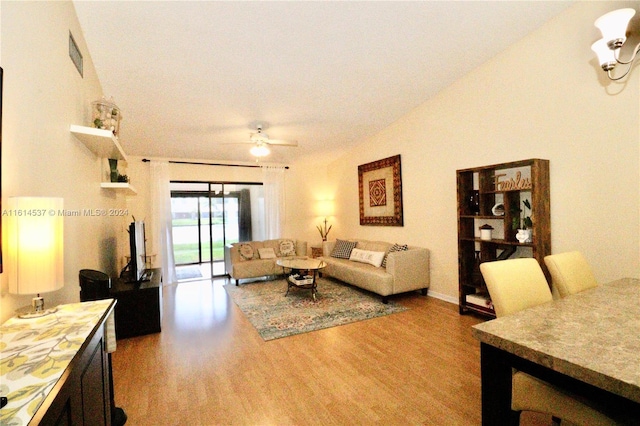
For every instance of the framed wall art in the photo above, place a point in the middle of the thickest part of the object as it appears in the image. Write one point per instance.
(380, 190)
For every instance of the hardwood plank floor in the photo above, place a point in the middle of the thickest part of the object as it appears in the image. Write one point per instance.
(209, 366)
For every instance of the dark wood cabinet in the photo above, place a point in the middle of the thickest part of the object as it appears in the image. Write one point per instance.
(73, 394)
(495, 196)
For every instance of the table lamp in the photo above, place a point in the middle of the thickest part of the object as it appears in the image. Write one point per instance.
(35, 249)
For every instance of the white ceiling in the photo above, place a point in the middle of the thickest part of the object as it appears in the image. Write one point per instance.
(190, 76)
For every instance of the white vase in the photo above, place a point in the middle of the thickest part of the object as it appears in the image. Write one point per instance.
(524, 236)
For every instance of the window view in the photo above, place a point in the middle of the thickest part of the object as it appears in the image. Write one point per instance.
(205, 217)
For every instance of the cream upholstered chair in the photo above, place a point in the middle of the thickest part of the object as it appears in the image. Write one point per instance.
(570, 273)
(518, 284)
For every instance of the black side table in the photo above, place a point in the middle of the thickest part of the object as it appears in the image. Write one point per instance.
(139, 307)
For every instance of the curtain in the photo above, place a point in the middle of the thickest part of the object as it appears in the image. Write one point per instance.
(274, 205)
(244, 207)
(161, 219)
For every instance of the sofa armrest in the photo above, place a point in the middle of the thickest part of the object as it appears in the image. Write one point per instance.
(327, 247)
(301, 248)
(228, 262)
(410, 269)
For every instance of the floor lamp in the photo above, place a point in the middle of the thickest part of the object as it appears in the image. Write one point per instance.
(35, 249)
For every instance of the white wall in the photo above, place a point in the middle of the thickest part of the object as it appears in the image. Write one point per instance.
(43, 95)
(544, 97)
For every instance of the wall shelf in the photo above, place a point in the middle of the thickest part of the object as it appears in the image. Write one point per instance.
(101, 142)
(124, 187)
(479, 191)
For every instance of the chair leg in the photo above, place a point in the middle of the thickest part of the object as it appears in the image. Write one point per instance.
(514, 420)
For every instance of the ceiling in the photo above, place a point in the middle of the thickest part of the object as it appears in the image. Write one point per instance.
(192, 76)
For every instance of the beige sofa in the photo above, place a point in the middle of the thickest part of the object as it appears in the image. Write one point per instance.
(253, 259)
(405, 270)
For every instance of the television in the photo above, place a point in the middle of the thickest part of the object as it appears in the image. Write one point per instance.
(138, 252)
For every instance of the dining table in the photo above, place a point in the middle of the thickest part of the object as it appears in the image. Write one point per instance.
(587, 343)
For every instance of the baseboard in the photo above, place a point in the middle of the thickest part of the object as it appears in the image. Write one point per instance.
(444, 297)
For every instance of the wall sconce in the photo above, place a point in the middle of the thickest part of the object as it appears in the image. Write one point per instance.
(35, 249)
(324, 208)
(613, 26)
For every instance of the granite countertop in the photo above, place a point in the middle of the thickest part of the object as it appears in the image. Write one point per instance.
(34, 353)
(593, 336)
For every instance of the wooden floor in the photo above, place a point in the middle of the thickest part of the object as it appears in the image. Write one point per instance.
(209, 366)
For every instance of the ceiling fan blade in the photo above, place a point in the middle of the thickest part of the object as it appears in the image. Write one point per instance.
(238, 143)
(282, 142)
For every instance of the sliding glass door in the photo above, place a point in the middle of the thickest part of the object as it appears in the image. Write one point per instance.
(206, 217)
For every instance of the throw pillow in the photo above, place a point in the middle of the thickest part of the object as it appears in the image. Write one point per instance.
(246, 251)
(395, 247)
(342, 249)
(266, 253)
(287, 248)
(367, 256)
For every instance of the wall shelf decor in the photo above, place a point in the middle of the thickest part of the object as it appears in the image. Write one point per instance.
(124, 187)
(101, 142)
(511, 186)
(105, 145)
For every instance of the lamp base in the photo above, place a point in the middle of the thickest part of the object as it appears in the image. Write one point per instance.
(36, 314)
(36, 310)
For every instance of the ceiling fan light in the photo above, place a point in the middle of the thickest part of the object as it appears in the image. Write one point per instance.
(613, 26)
(259, 151)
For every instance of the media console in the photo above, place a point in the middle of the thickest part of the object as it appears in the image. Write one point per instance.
(139, 307)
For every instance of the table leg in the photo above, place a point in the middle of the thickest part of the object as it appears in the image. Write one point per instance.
(496, 373)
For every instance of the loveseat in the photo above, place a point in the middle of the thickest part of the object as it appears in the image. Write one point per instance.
(380, 267)
(253, 259)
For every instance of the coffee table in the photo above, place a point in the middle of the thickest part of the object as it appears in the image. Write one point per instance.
(302, 273)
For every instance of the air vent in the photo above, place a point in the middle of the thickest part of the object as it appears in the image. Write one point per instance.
(74, 54)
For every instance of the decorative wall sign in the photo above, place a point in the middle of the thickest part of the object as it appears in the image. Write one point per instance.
(380, 190)
(511, 184)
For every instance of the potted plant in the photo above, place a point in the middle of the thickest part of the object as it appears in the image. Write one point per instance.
(524, 234)
(324, 232)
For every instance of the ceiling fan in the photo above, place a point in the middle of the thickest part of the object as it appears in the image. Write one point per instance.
(262, 141)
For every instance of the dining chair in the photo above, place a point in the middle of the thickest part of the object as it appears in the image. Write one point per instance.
(570, 273)
(514, 285)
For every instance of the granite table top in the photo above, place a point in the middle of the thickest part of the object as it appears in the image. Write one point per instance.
(593, 336)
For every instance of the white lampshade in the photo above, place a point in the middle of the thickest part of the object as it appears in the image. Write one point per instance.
(35, 245)
(324, 208)
(260, 151)
(613, 25)
(606, 56)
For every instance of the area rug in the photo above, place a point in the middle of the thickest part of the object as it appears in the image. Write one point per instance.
(275, 315)
(188, 272)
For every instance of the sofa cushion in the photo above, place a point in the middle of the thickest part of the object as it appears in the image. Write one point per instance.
(287, 248)
(366, 256)
(382, 246)
(342, 249)
(266, 253)
(246, 251)
(395, 247)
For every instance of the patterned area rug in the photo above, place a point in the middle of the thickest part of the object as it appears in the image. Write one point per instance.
(275, 316)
